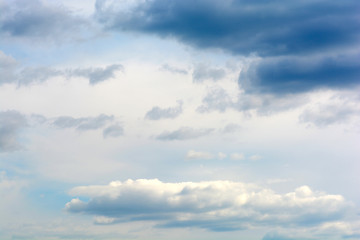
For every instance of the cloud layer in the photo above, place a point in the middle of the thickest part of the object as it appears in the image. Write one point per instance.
(214, 205)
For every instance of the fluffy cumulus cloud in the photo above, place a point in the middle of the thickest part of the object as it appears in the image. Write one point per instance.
(214, 205)
(283, 34)
(157, 113)
(11, 122)
(39, 20)
(184, 133)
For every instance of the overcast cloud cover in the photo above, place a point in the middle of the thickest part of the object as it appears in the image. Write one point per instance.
(169, 119)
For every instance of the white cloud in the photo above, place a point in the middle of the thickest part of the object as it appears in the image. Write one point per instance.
(221, 155)
(199, 155)
(214, 205)
(338, 108)
(237, 156)
(255, 157)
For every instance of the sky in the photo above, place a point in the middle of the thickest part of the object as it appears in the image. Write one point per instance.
(169, 119)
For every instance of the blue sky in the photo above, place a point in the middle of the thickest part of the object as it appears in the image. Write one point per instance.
(165, 119)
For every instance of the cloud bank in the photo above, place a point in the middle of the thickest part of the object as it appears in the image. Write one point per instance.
(213, 205)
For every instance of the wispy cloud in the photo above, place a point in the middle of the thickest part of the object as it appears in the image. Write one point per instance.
(184, 133)
(157, 113)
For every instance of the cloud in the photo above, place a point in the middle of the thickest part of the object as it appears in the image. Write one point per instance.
(336, 110)
(184, 133)
(240, 26)
(277, 236)
(288, 37)
(231, 128)
(214, 205)
(296, 75)
(199, 155)
(218, 99)
(114, 130)
(83, 124)
(237, 156)
(12, 71)
(157, 113)
(203, 72)
(255, 157)
(11, 122)
(221, 155)
(167, 67)
(97, 75)
(31, 75)
(8, 66)
(36, 20)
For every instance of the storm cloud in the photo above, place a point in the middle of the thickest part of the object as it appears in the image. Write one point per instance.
(241, 26)
(35, 20)
(284, 34)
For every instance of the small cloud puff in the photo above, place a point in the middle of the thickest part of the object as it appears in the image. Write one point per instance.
(198, 155)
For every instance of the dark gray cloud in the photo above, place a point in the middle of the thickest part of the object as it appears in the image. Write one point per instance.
(167, 67)
(241, 26)
(11, 122)
(37, 20)
(83, 124)
(287, 35)
(204, 72)
(115, 130)
(295, 75)
(184, 133)
(213, 205)
(96, 75)
(157, 113)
